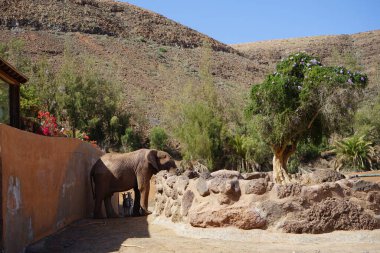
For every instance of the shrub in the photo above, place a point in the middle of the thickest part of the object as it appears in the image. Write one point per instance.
(355, 152)
(367, 120)
(198, 116)
(158, 138)
(131, 140)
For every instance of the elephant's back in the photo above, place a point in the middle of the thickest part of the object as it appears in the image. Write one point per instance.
(115, 162)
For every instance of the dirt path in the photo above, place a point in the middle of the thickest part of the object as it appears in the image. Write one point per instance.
(158, 236)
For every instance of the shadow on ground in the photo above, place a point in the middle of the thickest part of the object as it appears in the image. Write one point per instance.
(91, 235)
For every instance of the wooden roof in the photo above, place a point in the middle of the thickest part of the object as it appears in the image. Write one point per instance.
(10, 74)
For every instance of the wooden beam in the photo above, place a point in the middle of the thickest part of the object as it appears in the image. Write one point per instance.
(8, 79)
(14, 106)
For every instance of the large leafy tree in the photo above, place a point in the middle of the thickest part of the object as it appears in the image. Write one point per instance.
(301, 100)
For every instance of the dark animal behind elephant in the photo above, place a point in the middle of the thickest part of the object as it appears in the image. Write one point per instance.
(117, 172)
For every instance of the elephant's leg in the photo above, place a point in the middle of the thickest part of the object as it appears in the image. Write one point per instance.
(144, 187)
(98, 208)
(136, 203)
(100, 193)
(109, 209)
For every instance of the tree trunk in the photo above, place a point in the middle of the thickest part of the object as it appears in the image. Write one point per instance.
(280, 175)
(280, 161)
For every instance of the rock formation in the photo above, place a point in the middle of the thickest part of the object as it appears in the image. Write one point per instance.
(320, 203)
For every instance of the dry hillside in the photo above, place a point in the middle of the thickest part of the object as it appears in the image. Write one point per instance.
(153, 57)
(362, 49)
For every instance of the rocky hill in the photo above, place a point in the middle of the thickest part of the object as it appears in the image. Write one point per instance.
(361, 51)
(104, 17)
(153, 57)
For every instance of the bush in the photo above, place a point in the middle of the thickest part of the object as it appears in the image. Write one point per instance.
(158, 138)
(355, 153)
(293, 165)
(198, 116)
(200, 132)
(131, 140)
(367, 120)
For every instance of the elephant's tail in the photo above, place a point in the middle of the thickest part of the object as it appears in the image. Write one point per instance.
(91, 182)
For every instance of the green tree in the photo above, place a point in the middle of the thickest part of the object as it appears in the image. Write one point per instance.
(297, 100)
(88, 101)
(13, 51)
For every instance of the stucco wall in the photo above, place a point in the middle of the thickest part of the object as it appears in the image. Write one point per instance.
(45, 185)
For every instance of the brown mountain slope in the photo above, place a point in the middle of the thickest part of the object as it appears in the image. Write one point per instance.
(361, 49)
(151, 56)
(101, 17)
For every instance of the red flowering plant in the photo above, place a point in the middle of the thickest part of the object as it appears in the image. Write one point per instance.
(48, 124)
(84, 137)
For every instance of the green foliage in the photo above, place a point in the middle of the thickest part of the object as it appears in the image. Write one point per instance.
(131, 140)
(307, 151)
(13, 51)
(90, 101)
(248, 147)
(355, 153)
(367, 120)
(200, 132)
(4, 103)
(289, 101)
(158, 138)
(81, 94)
(29, 100)
(4, 50)
(293, 165)
(199, 125)
(162, 50)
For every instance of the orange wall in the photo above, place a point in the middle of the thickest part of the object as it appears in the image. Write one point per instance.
(45, 185)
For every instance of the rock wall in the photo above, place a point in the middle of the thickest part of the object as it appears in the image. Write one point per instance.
(324, 202)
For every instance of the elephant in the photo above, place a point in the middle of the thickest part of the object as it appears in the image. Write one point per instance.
(118, 172)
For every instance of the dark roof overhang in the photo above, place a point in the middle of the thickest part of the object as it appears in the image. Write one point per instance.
(10, 74)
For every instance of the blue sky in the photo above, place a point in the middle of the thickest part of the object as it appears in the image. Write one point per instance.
(242, 21)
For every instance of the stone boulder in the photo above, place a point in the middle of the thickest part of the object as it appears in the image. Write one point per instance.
(288, 190)
(181, 184)
(256, 175)
(373, 202)
(216, 184)
(329, 215)
(202, 187)
(226, 174)
(365, 186)
(258, 186)
(317, 193)
(321, 176)
(240, 217)
(187, 202)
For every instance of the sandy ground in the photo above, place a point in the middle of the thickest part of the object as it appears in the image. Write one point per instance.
(142, 234)
(157, 235)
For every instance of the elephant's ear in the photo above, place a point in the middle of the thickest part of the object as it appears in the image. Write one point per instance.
(152, 159)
